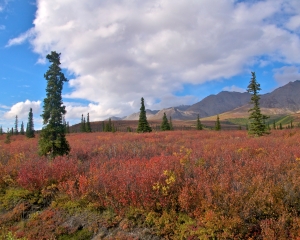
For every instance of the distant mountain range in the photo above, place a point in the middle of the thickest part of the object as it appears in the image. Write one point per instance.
(283, 100)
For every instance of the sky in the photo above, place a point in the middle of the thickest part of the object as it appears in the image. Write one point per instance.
(113, 52)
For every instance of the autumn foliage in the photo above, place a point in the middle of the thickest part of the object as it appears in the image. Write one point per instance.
(186, 184)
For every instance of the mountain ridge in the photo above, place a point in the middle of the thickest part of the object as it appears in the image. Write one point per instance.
(282, 100)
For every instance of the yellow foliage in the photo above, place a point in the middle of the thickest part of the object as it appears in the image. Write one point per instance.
(164, 189)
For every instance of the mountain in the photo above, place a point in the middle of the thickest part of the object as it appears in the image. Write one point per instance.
(175, 113)
(222, 102)
(113, 118)
(135, 116)
(286, 97)
(209, 106)
(283, 100)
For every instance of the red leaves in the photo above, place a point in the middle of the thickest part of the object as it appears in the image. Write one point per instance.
(36, 174)
(211, 176)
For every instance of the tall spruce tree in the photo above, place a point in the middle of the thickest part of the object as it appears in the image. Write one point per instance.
(53, 141)
(88, 124)
(16, 131)
(199, 124)
(218, 124)
(257, 119)
(1, 130)
(143, 125)
(22, 132)
(165, 126)
(30, 126)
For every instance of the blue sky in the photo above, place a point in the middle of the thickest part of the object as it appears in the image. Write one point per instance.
(116, 51)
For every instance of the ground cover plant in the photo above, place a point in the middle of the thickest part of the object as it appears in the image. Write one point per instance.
(171, 185)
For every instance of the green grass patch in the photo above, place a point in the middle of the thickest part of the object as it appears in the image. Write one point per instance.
(285, 120)
(78, 235)
(238, 121)
(12, 197)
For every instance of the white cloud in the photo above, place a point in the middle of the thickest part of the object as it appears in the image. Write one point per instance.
(4, 106)
(2, 27)
(21, 39)
(234, 88)
(122, 50)
(294, 23)
(21, 109)
(287, 74)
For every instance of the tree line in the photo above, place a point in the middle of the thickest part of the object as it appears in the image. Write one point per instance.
(52, 141)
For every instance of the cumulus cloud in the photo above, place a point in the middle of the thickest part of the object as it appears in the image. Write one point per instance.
(21, 109)
(120, 51)
(286, 74)
(234, 88)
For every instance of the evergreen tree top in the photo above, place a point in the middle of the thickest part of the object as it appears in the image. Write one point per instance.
(254, 86)
(53, 105)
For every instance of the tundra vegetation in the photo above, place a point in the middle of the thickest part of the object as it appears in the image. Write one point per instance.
(174, 184)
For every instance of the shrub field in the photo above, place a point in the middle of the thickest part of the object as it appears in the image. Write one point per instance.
(160, 185)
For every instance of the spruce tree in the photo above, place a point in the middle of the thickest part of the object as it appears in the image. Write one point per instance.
(88, 124)
(218, 124)
(53, 141)
(257, 119)
(274, 125)
(82, 125)
(199, 124)
(280, 126)
(1, 130)
(165, 126)
(16, 131)
(22, 132)
(30, 126)
(143, 125)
